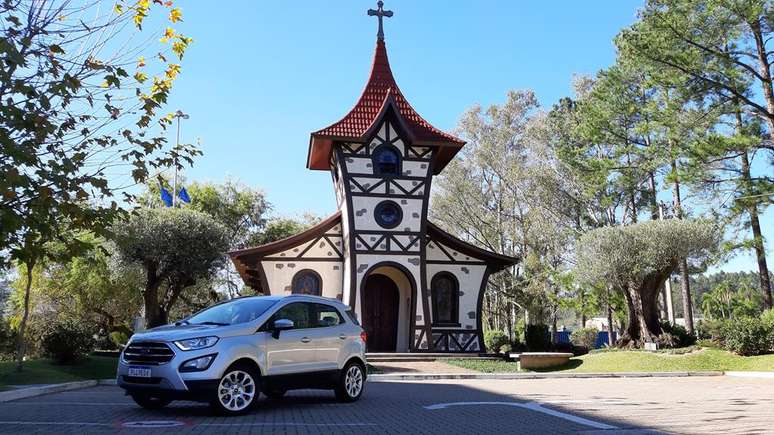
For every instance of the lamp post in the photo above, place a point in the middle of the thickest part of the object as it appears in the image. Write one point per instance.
(179, 114)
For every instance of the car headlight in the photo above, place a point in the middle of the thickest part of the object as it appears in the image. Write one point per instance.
(196, 343)
(197, 364)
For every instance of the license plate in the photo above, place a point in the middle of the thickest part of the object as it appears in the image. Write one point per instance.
(140, 372)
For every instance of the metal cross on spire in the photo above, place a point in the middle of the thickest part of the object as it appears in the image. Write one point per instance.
(379, 12)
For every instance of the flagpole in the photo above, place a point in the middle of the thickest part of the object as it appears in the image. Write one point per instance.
(179, 114)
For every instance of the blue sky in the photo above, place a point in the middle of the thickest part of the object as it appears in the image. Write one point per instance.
(261, 76)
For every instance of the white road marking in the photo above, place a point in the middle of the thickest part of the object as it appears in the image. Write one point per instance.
(532, 406)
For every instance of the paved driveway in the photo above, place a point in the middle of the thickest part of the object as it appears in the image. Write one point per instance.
(683, 405)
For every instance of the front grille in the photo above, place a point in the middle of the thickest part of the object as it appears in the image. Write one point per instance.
(148, 352)
(137, 380)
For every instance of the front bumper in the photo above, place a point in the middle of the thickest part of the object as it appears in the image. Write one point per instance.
(167, 380)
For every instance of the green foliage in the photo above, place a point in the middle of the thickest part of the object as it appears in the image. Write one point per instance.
(68, 342)
(679, 336)
(175, 247)
(584, 337)
(119, 338)
(280, 228)
(495, 340)
(748, 336)
(710, 329)
(605, 254)
(537, 338)
(506, 348)
(767, 317)
(725, 301)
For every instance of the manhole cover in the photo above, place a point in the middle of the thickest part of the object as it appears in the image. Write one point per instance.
(145, 424)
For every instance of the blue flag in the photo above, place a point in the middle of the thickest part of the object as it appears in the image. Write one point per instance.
(166, 197)
(183, 194)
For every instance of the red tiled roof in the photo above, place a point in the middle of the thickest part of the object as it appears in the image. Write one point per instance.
(380, 91)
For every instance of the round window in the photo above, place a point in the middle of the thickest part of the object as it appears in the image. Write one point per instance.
(388, 214)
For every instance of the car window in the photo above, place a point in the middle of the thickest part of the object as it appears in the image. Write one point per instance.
(353, 317)
(298, 312)
(326, 315)
(233, 312)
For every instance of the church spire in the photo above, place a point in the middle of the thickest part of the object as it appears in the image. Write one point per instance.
(379, 13)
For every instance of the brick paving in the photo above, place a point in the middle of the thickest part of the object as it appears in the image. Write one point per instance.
(641, 405)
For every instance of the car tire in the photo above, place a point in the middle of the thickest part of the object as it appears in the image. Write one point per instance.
(275, 394)
(351, 382)
(237, 390)
(150, 402)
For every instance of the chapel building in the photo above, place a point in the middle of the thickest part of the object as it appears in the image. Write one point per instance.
(413, 286)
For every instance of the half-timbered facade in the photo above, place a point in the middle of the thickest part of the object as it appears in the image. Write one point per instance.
(414, 286)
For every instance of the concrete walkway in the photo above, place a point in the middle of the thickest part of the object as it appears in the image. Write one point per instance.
(419, 367)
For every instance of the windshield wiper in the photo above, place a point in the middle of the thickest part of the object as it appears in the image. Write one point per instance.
(181, 322)
(212, 323)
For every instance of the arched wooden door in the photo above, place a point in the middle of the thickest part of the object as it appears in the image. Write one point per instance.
(380, 313)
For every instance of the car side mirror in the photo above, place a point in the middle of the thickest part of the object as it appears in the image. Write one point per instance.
(281, 325)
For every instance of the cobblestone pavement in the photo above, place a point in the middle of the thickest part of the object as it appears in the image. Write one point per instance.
(587, 406)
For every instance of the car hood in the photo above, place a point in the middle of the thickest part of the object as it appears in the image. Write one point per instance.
(181, 332)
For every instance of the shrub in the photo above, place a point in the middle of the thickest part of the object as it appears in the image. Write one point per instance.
(710, 329)
(675, 336)
(748, 336)
(119, 338)
(506, 348)
(584, 337)
(537, 337)
(768, 318)
(494, 340)
(68, 341)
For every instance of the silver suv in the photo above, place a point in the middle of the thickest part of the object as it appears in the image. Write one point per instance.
(231, 352)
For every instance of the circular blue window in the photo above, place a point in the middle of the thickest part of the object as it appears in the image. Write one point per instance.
(388, 214)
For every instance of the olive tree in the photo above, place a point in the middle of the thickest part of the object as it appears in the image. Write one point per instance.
(176, 248)
(637, 259)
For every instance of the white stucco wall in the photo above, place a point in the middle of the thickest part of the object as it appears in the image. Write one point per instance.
(469, 278)
(280, 274)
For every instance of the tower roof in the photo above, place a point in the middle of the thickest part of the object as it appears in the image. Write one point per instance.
(380, 94)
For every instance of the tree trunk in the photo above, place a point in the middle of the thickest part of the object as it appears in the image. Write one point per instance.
(154, 312)
(764, 70)
(642, 305)
(610, 341)
(685, 284)
(21, 343)
(760, 250)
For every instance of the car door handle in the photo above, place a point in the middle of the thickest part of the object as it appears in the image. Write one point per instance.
(305, 340)
(342, 336)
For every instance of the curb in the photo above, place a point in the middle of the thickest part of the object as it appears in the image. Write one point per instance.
(511, 376)
(23, 393)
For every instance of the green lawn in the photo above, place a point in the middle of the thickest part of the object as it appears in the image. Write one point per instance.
(43, 371)
(633, 361)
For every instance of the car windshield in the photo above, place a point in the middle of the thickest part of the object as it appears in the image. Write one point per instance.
(232, 312)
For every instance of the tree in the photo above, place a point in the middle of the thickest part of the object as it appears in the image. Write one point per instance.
(278, 228)
(724, 48)
(62, 85)
(605, 255)
(176, 248)
(494, 196)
